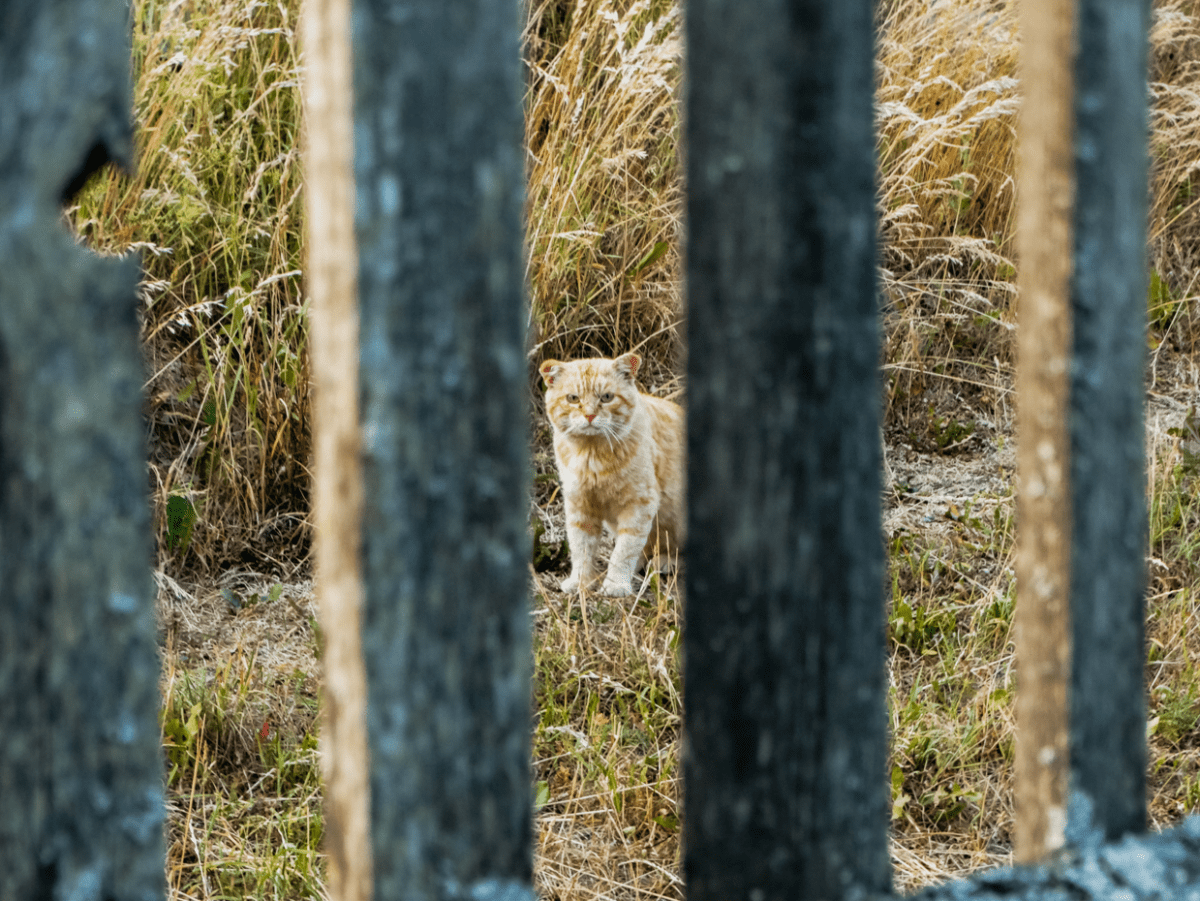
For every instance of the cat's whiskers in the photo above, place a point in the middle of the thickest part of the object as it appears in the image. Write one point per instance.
(609, 431)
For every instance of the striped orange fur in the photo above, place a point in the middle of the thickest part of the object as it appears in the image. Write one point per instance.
(620, 458)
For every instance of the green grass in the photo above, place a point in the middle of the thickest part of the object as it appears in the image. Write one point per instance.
(243, 782)
(606, 743)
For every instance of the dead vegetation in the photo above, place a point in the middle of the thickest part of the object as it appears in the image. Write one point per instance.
(605, 193)
(215, 209)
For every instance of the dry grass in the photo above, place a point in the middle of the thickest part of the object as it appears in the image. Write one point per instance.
(239, 722)
(1174, 151)
(606, 744)
(946, 114)
(1173, 644)
(951, 682)
(605, 197)
(215, 209)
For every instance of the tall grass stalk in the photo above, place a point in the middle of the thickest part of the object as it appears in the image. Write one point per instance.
(604, 177)
(214, 206)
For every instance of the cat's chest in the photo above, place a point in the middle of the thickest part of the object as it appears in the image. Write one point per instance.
(598, 470)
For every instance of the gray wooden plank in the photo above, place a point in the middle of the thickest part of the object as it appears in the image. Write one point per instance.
(444, 387)
(785, 745)
(80, 750)
(1106, 420)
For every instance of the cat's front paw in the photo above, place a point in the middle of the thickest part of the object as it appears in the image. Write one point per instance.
(569, 585)
(616, 589)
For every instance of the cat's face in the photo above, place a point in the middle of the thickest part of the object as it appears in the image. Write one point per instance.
(592, 398)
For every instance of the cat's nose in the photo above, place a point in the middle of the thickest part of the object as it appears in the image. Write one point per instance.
(590, 417)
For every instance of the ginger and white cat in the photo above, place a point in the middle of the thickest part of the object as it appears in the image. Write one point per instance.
(620, 456)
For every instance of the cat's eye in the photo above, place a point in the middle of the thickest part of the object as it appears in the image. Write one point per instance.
(572, 398)
(606, 397)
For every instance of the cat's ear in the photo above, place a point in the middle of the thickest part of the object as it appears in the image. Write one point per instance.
(628, 365)
(550, 370)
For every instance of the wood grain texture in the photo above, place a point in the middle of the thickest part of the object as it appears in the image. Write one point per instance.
(332, 272)
(1044, 235)
(444, 398)
(785, 745)
(80, 745)
(1106, 418)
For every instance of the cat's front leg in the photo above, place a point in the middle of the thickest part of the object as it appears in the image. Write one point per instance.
(633, 528)
(583, 538)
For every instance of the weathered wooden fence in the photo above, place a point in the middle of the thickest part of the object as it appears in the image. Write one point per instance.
(81, 805)
(422, 487)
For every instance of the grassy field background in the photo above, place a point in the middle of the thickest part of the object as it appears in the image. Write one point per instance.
(216, 208)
